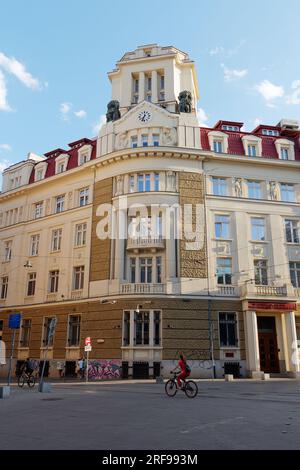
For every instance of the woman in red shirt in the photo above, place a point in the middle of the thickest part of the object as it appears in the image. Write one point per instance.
(184, 371)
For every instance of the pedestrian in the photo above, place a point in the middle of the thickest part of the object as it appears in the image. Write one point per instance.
(81, 366)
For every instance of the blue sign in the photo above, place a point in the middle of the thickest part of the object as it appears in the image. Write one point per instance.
(15, 321)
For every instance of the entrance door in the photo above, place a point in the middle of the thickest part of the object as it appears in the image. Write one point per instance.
(268, 349)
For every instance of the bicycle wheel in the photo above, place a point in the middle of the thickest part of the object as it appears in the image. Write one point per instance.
(21, 381)
(31, 381)
(191, 389)
(171, 388)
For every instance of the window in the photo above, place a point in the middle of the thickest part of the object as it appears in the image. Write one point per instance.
(4, 287)
(78, 278)
(295, 273)
(56, 239)
(270, 132)
(47, 336)
(156, 181)
(59, 204)
(80, 234)
(158, 269)
(230, 128)
(60, 168)
(228, 330)
(144, 183)
(39, 175)
(25, 333)
(218, 147)
(287, 192)
(219, 186)
(141, 328)
(34, 245)
(1, 329)
(31, 281)
(284, 153)
(254, 189)
(84, 157)
(155, 138)
(252, 150)
(162, 88)
(83, 197)
(144, 140)
(131, 184)
(53, 281)
(7, 250)
(126, 329)
(135, 94)
(261, 272)
(224, 271)
(222, 226)
(156, 318)
(258, 229)
(149, 88)
(134, 141)
(132, 270)
(146, 270)
(291, 231)
(38, 210)
(74, 330)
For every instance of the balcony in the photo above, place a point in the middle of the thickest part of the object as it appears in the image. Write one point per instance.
(226, 291)
(137, 243)
(76, 294)
(284, 291)
(51, 297)
(142, 288)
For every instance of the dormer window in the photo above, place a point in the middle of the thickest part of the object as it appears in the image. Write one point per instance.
(252, 145)
(39, 175)
(218, 141)
(61, 163)
(270, 132)
(252, 150)
(218, 146)
(230, 128)
(285, 149)
(40, 171)
(84, 154)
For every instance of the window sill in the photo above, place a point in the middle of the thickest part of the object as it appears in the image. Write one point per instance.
(23, 348)
(43, 348)
(79, 246)
(142, 347)
(72, 347)
(54, 252)
(229, 348)
(222, 239)
(263, 242)
(292, 243)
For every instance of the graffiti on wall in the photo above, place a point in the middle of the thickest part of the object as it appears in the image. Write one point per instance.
(196, 358)
(105, 369)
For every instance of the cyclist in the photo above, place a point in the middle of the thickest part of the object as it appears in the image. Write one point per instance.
(185, 370)
(28, 367)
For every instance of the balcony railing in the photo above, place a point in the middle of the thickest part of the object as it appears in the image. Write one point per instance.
(226, 291)
(297, 292)
(271, 290)
(145, 242)
(51, 297)
(142, 288)
(76, 294)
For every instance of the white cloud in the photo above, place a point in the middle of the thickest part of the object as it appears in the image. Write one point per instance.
(217, 50)
(5, 147)
(80, 114)
(202, 117)
(231, 75)
(269, 91)
(16, 68)
(4, 164)
(99, 124)
(220, 50)
(64, 110)
(294, 98)
(4, 106)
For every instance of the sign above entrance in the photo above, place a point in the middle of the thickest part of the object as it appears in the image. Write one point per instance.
(272, 306)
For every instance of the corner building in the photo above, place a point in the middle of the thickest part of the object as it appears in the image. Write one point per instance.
(225, 292)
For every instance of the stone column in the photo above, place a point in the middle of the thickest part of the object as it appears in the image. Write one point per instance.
(252, 346)
(154, 87)
(292, 345)
(141, 86)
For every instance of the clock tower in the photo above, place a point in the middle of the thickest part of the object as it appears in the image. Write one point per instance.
(154, 101)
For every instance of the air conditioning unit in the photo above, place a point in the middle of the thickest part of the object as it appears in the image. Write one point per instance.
(289, 124)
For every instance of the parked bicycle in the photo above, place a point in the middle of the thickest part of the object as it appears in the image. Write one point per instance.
(26, 378)
(189, 387)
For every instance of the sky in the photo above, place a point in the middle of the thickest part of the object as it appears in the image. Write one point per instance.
(55, 55)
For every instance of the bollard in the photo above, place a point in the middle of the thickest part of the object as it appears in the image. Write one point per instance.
(229, 378)
(159, 380)
(4, 392)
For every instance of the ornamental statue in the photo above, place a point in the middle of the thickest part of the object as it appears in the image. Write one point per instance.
(113, 111)
(185, 102)
(238, 187)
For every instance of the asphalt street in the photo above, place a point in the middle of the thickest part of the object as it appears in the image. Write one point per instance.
(238, 415)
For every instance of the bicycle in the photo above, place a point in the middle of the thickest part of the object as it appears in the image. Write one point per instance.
(189, 387)
(26, 378)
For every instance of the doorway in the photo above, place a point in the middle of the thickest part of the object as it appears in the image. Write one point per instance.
(268, 348)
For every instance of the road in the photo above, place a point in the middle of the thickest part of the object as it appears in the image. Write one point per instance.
(238, 415)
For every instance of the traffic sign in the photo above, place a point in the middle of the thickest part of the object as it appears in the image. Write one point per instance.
(14, 321)
(88, 341)
(88, 348)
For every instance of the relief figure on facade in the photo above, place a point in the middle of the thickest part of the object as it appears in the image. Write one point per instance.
(238, 187)
(169, 136)
(273, 191)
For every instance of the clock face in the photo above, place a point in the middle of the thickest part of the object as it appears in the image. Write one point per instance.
(144, 116)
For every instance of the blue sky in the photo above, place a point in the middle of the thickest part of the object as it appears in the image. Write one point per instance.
(54, 56)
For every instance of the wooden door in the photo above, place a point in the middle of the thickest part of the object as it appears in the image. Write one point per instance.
(268, 348)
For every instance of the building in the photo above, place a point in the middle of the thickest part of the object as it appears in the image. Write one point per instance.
(157, 237)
